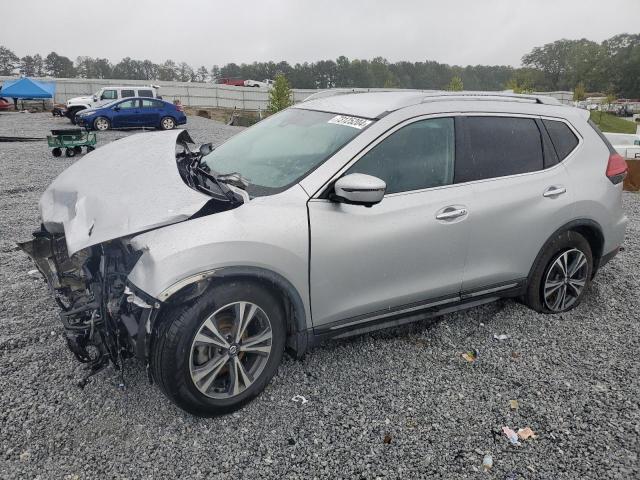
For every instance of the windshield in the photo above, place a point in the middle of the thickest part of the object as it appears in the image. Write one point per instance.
(280, 150)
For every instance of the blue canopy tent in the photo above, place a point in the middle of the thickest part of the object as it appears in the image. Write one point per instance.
(26, 88)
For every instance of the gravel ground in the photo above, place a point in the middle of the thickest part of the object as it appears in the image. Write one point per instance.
(395, 404)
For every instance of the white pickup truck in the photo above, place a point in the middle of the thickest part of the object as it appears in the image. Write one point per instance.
(106, 95)
(267, 83)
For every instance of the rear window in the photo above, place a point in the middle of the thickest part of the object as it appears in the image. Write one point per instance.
(498, 147)
(563, 138)
(145, 93)
(127, 93)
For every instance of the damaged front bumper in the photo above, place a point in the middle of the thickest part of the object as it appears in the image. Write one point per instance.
(105, 317)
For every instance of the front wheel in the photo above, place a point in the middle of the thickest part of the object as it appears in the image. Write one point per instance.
(167, 123)
(561, 275)
(217, 354)
(101, 124)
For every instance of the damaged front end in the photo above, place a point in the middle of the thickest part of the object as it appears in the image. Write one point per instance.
(103, 319)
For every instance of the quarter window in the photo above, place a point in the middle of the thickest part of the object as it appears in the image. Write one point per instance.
(420, 155)
(499, 146)
(145, 93)
(564, 140)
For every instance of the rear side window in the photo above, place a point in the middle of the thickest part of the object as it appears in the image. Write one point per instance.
(127, 93)
(145, 93)
(564, 140)
(151, 104)
(497, 147)
(418, 156)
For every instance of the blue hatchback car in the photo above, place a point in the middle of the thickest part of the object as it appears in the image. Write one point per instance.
(131, 113)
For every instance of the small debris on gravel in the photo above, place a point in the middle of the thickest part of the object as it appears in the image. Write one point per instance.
(576, 376)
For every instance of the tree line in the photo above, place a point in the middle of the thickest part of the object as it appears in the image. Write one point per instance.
(609, 67)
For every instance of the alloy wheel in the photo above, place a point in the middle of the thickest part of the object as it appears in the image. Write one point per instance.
(102, 124)
(565, 280)
(230, 350)
(168, 123)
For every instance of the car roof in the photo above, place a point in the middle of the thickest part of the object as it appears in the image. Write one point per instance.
(377, 104)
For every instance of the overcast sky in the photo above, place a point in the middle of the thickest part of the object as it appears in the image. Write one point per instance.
(208, 32)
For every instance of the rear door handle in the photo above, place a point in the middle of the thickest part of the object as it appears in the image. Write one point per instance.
(450, 213)
(554, 191)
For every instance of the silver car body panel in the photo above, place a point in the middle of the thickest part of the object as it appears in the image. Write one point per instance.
(122, 188)
(268, 232)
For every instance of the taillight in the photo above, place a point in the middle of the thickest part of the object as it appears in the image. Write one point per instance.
(616, 168)
(180, 108)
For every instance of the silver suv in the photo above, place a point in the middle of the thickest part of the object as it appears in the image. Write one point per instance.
(334, 217)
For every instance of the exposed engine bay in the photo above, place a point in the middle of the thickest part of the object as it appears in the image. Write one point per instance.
(105, 318)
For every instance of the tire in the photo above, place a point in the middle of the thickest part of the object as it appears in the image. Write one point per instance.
(178, 360)
(77, 149)
(101, 124)
(167, 123)
(565, 252)
(72, 114)
(90, 148)
(70, 152)
(57, 152)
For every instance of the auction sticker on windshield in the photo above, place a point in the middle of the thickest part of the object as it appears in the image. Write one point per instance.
(348, 121)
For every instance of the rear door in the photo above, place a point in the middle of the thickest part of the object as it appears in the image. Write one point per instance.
(521, 196)
(150, 112)
(403, 253)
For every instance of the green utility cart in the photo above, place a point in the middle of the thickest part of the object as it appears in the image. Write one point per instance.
(72, 140)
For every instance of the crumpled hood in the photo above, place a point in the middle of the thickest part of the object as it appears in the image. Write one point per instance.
(126, 187)
(87, 98)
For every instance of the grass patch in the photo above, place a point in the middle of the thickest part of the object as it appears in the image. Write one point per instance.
(610, 123)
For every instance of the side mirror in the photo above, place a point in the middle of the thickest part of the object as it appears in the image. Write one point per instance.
(116, 108)
(359, 189)
(95, 98)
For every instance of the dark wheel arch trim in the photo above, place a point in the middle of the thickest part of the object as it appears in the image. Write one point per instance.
(590, 229)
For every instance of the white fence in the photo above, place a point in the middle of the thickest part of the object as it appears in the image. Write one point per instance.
(200, 94)
(190, 94)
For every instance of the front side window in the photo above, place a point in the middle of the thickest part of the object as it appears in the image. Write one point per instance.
(280, 150)
(128, 104)
(498, 147)
(109, 95)
(145, 93)
(127, 93)
(418, 156)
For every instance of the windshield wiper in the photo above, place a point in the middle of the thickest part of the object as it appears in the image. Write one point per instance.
(227, 193)
(235, 179)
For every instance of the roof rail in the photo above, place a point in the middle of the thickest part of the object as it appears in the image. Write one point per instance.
(495, 96)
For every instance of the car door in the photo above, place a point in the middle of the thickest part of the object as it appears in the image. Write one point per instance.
(402, 254)
(521, 195)
(150, 112)
(126, 114)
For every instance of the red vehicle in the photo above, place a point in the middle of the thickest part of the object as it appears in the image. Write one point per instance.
(231, 81)
(5, 105)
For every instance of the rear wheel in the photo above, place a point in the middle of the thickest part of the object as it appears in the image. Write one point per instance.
(101, 124)
(220, 352)
(77, 149)
(57, 152)
(167, 123)
(70, 152)
(561, 275)
(90, 148)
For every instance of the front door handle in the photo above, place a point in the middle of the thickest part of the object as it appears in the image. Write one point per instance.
(451, 214)
(554, 191)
